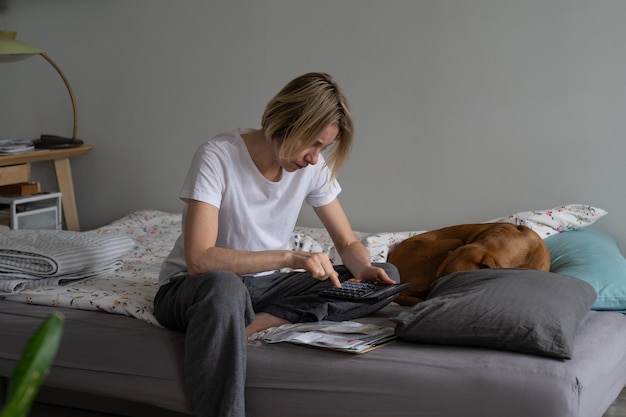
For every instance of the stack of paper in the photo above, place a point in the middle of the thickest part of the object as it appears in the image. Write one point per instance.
(345, 336)
(11, 146)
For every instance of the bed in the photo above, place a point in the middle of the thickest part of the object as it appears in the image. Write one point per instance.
(115, 359)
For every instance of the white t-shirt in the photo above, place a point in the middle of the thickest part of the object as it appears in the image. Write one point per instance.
(255, 213)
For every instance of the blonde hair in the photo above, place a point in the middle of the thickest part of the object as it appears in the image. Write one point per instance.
(302, 109)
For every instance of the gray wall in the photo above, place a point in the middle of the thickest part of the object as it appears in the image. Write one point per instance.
(465, 110)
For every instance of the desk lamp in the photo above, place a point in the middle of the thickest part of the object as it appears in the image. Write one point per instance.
(12, 50)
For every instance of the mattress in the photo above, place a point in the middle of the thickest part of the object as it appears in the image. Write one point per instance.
(117, 361)
(125, 364)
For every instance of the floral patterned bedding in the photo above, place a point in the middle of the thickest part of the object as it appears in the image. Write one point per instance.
(131, 290)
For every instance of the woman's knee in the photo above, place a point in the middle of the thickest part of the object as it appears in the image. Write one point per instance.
(216, 288)
(212, 294)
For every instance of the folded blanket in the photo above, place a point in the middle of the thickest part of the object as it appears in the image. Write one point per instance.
(30, 258)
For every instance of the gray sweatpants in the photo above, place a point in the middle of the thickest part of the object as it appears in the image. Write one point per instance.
(214, 310)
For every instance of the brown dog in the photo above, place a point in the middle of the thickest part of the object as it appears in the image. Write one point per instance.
(423, 258)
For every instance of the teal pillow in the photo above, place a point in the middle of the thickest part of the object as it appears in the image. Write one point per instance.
(592, 256)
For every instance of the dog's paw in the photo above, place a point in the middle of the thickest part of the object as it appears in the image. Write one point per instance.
(407, 300)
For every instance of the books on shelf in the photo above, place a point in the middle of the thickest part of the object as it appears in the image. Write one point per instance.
(344, 336)
(12, 146)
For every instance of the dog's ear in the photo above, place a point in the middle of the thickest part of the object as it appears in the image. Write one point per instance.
(487, 262)
(466, 258)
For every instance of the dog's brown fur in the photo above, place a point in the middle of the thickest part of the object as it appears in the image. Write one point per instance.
(424, 258)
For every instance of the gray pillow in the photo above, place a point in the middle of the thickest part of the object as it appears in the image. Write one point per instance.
(520, 310)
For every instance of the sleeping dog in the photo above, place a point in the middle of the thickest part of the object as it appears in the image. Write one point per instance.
(424, 258)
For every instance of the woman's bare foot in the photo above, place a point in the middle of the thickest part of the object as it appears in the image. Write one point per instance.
(264, 321)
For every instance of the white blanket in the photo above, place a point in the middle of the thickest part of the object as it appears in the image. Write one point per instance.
(30, 258)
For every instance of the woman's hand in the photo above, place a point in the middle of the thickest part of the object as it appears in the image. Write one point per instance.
(354, 255)
(317, 264)
(374, 273)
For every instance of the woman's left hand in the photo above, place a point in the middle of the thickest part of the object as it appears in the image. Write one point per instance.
(374, 273)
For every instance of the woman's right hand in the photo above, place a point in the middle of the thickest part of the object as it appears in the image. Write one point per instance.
(317, 264)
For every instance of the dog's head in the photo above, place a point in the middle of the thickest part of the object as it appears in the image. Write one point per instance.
(501, 246)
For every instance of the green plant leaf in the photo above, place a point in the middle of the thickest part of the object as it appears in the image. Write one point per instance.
(33, 366)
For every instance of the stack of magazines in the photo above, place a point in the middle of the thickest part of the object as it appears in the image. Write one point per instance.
(345, 336)
(11, 146)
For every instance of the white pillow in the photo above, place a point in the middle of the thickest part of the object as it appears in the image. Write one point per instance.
(379, 244)
(317, 240)
(559, 219)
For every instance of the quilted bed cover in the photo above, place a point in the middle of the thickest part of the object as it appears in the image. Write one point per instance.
(114, 357)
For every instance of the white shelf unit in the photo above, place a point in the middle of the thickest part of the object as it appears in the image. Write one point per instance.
(38, 211)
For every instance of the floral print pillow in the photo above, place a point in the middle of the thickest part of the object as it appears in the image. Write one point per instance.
(559, 219)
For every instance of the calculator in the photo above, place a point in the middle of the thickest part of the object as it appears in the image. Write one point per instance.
(363, 291)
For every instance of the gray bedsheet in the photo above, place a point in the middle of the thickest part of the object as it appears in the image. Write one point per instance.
(119, 359)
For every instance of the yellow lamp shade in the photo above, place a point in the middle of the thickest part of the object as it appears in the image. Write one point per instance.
(14, 50)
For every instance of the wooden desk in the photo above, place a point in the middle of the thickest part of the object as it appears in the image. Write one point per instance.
(61, 159)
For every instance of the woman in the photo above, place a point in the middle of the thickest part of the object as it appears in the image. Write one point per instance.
(243, 192)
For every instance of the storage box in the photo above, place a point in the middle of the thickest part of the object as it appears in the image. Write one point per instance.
(23, 188)
(39, 211)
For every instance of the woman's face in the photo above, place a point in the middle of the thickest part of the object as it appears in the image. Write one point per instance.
(310, 155)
